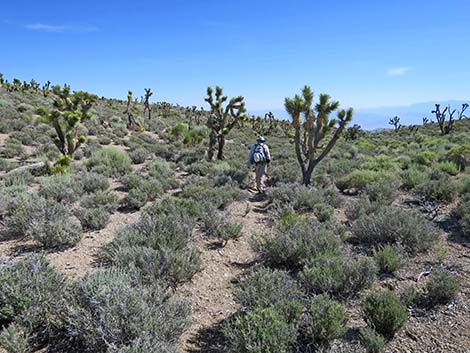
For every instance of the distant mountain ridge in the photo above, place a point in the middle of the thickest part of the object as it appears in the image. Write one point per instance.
(377, 118)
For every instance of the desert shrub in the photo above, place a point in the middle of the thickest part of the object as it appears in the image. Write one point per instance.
(139, 155)
(388, 258)
(161, 170)
(412, 177)
(326, 320)
(359, 179)
(17, 178)
(141, 190)
(410, 297)
(383, 191)
(464, 185)
(58, 187)
(179, 130)
(15, 339)
(372, 341)
(145, 343)
(216, 197)
(301, 198)
(13, 148)
(378, 163)
(463, 215)
(202, 168)
(292, 244)
(44, 220)
(219, 226)
(449, 167)
(90, 182)
(157, 247)
(104, 199)
(390, 225)
(259, 331)
(460, 155)
(110, 161)
(94, 218)
(338, 275)
(110, 310)
(6, 165)
(231, 174)
(266, 287)
(30, 289)
(425, 158)
(194, 137)
(439, 187)
(282, 174)
(104, 140)
(441, 287)
(384, 312)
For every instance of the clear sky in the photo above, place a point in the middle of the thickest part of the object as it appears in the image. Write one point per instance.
(363, 53)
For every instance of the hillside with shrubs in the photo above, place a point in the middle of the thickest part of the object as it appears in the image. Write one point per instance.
(128, 226)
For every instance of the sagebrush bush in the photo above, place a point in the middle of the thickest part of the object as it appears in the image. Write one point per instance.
(384, 312)
(372, 341)
(141, 190)
(110, 310)
(411, 297)
(259, 331)
(30, 290)
(217, 225)
(139, 155)
(58, 187)
(463, 215)
(110, 161)
(90, 182)
(15, 339)
(438, 187)
(425, 158)
(326, 320)
(441, 287)
(388, 258)
(412, 177)
(94, 218)
(301, 198)
(293, 244)
(266, 287)
(383, 191)
(449, 167)
(359, 179)
(157, 248)
(216, 197)
(460, 155)
(338, 275)
(390, 225)
(44, 220)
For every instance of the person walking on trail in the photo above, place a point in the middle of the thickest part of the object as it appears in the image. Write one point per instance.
(260, 157)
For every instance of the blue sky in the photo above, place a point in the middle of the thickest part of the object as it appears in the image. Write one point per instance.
(363, 53)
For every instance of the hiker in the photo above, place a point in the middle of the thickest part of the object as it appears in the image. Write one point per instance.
(260, 157)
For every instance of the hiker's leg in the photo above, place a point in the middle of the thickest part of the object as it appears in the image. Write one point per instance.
(262, 173)
(259, 175)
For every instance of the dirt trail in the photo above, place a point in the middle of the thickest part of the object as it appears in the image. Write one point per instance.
(210, 290)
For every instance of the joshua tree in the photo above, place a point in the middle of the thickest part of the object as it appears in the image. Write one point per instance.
(354, 132)
(221, 119)
(1, 79)
(269, 117)
(148, 93)
(193, 114)
(447, 125)
(131, 123)
(69, 111)
(46, 88)
(312, 130)
(395, 122)
(461, 113)
(165, 108)
(426, 121)
(16, 84)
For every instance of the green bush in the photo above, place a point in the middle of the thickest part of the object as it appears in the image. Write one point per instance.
(410, 297)
(110, 161)
(156, 247)
(383, 191)
(412, 177)
(425, 158)
(359, 179)
(463, 215)
(439, 187)
(338, 275)
(13, 148)
(326, 320)
(449, 167)
(372, 341)
(46, 221)
(94, 218)
(58, 187)
(384, 312)
(259, 331)
(460, 155)
(30, 289)
(110, 310)
(464, 185)
(389, 259)
(216, 224)
(293, 244)
(139, 155)
(215, 197)
(15, 339)
(142, 189)
(390, 225)
(441, 287)
(266, 287)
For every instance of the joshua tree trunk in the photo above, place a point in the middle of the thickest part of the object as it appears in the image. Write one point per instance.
(220, 151)
(212, 143)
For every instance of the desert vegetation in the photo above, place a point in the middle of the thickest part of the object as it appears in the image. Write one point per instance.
(130, 226)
